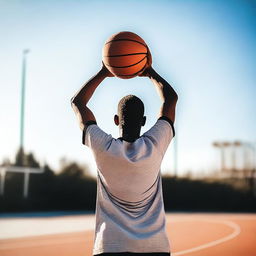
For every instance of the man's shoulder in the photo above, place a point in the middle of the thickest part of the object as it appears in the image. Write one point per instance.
(95, 138)
(162, 126)
(161, 133)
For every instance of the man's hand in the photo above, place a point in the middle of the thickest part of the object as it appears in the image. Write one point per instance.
(105, 71)
(147, 72)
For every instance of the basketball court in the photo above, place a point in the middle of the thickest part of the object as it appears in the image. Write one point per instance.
(190, 234)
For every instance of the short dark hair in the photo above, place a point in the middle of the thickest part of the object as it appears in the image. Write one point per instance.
(130, 111)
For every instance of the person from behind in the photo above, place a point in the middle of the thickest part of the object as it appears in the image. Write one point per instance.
(130, 215)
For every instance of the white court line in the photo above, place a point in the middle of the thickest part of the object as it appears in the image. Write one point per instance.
(234, 226)
(236, 231)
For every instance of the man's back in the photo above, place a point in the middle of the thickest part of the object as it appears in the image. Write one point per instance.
(130, 212)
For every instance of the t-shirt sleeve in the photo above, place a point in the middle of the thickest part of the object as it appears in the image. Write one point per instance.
(161, 134)
(96, 139)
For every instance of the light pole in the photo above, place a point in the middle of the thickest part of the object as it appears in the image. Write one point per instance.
(23, 91)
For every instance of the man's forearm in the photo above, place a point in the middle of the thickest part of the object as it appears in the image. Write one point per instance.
(165, 90)
(86, 92)
(166, 93)
(81, 98)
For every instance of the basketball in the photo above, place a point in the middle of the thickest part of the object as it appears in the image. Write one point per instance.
(125, 55)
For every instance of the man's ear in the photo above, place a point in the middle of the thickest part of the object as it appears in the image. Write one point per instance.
(143, 121)
(116, 119)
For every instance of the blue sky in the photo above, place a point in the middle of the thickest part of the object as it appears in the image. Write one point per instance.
(205, 49)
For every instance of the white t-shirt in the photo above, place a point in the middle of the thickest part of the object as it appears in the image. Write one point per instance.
(130, 214)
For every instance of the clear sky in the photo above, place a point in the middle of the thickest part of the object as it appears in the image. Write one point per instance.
(205, 49)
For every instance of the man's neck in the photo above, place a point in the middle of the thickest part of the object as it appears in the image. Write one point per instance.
(129, 136)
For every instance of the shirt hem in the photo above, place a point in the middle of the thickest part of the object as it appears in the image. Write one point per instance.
(121, 250)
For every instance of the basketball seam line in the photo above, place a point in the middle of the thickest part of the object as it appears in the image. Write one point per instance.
(128, 65)
(134, 73)
(128, 54)
(114, 40)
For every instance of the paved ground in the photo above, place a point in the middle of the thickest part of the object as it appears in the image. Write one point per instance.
(190, 234)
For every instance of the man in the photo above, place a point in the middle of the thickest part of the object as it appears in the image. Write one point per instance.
(130, 216)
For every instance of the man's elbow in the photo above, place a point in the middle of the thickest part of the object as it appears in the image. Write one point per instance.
(74, 101)
(171, 97)
(175, 96)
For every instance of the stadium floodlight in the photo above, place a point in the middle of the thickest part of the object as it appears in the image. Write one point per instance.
(26, 170)
(216, 144)
(221, 146)
(237, 143)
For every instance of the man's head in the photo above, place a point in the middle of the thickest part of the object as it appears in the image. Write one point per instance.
(130, 113)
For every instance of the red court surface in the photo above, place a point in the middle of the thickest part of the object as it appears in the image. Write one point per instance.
(189, 234)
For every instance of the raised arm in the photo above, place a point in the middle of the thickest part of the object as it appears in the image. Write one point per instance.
(167, 94)
(81, 98)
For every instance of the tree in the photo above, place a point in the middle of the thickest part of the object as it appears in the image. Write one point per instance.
(23, 159)
(19, 158)
(73, 170)
(30, 161)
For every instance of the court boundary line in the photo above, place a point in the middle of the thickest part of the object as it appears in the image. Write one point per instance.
(236, 231)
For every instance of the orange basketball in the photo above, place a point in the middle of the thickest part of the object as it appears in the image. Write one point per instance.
(125, 55)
